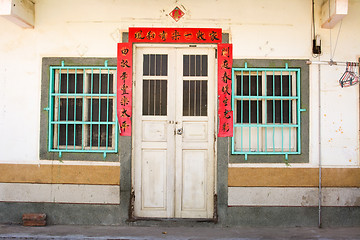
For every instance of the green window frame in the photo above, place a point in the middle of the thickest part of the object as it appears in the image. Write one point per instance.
(266, 104)
(82, 109)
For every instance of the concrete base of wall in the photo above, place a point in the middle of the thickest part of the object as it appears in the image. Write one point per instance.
(293, 216)
(92, 214)
(81, 214)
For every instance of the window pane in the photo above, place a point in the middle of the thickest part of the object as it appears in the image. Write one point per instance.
(277, 85)
(67, 83)
(103, 85)
(282, 111)
(67, 132)
(152, 98)
(152, 64)
(158, 62)
(164, 65)
(192, 65)
(104, 111)
(204, 65)
(186, 65)
(194, 98)
(155, 97)
(105, 132)
(242, 111)
(244, 84)
(203, 97)
(186, 98)
(69, 111)
(195, 65)
(146, 67)
(155, 64)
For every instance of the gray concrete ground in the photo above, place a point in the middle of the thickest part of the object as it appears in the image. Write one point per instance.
(62, 232)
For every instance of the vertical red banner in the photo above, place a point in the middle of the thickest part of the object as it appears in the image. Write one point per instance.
(124, 87)
(224, 90)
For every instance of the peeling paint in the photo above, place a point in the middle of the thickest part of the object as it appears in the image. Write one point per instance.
(357, 201)
(81, 49)
(116, 35)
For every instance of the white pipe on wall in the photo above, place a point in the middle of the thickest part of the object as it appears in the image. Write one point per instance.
(320, 176)
(330, 63)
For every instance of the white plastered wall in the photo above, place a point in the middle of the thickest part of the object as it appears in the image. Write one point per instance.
(339, 112)
(258, 29)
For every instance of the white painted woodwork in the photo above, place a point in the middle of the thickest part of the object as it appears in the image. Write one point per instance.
(153, 182)
(20, 12)
(174, 174)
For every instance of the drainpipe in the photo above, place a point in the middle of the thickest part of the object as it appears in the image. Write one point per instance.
(320, 187)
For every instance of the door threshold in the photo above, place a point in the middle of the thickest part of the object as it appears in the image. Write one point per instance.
(180, 220)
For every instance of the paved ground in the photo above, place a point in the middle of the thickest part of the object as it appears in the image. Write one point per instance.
(62, 232)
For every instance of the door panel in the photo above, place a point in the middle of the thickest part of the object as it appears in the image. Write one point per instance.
(195, 147)
(194, 180)
(154, 179)
(195, 131)
(154, 131)
(174, 132)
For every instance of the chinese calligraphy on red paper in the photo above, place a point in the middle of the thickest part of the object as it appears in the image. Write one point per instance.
(224, 90)
(124, 87)
(174, 35)
(171, 35)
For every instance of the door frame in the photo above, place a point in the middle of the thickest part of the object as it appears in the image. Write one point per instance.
(136, 46)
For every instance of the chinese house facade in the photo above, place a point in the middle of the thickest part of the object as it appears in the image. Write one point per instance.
(224, 112)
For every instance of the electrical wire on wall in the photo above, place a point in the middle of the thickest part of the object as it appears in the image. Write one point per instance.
(316, 49)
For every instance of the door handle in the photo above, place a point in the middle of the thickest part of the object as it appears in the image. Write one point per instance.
(179, 131)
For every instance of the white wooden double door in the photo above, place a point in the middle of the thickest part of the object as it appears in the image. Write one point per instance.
(173, 163)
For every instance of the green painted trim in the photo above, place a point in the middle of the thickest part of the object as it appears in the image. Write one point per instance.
(304, 82)
(47, 62)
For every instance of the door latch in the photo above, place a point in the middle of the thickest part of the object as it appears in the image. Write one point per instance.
(179, 131)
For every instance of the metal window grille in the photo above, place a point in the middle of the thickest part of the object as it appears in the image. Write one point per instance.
(266, 103)
(82, 109)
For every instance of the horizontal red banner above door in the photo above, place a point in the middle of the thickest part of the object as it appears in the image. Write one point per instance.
(175, 35)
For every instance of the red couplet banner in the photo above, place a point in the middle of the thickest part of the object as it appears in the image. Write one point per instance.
(124, 87)
(175, 35)
(224, 90)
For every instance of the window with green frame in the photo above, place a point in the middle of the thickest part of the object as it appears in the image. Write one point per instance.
(266, 104)
(82, 109)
